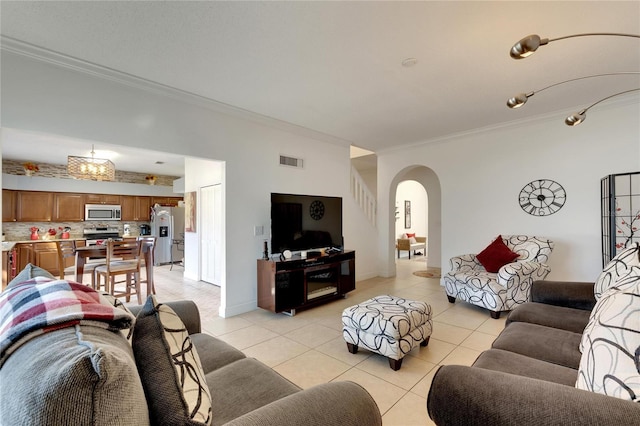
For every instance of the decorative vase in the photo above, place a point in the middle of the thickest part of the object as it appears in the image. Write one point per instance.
(64, 236)
(34, 235)
(151, 181)
(28, 172)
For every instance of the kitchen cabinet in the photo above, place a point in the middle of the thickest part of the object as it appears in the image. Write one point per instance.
(42, 254)
(166, 201)
(135, 208)
(68, 207)
(34, 206)
(46, 257)
(8, 266)
(102, 199)
(8, 205)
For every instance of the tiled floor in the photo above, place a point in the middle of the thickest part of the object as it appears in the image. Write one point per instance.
(308, 348)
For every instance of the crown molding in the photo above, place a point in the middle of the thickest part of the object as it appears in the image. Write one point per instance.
(18, 47)
(558, 115)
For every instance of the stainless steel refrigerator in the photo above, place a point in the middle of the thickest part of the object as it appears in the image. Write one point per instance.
(167, 225)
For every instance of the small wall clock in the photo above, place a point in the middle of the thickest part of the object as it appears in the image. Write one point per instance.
(542, 197)
(316, 210)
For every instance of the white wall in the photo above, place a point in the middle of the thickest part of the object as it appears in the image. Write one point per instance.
(46, 97)
(410, 190)
(481, 175)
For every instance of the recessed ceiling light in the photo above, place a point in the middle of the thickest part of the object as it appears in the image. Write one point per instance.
(409, 62)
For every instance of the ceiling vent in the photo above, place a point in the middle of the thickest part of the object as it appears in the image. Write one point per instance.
(291, 161)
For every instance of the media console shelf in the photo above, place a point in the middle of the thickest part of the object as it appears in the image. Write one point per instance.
(296, 283)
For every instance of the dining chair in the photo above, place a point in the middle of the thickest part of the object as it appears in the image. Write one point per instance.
(123, 258)
(66, 249)
(148, 249)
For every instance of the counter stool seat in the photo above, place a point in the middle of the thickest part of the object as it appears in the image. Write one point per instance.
(387, 325)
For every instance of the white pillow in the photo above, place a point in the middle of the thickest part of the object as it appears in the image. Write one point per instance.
(619, 265)
(610, 362)
(412, 240)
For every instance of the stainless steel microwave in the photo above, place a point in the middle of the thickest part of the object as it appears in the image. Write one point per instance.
(102, 212)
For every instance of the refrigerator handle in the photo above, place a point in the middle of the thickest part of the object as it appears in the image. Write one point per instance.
(171, 237)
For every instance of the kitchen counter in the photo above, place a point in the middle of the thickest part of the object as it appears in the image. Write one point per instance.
(8, 245)
(53, 240)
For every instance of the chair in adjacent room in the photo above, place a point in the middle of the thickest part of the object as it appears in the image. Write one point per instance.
(499, 278)
(123, 258)
(147, 249)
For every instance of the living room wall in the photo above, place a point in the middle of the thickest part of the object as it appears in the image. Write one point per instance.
(482, 173)
(57, 96)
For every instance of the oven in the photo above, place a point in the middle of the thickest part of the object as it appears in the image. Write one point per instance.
(99, 235)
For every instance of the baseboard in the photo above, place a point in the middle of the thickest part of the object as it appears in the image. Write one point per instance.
(230, 311)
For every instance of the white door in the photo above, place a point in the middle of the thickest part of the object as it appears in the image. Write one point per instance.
(211, 235)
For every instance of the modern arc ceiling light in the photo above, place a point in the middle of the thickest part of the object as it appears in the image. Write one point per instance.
(91, 168)
(521, 98)
(528, 45)
(579, 117)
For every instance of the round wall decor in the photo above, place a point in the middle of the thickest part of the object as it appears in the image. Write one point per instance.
(542, 197)
(316, 210)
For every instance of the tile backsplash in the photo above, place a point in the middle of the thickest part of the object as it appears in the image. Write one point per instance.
(20, 231)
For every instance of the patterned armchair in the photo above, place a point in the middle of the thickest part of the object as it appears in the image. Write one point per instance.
(510, 286)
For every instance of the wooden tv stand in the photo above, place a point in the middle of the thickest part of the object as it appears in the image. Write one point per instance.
(296, 283)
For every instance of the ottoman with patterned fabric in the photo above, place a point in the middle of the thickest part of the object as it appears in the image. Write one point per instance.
(387, 325)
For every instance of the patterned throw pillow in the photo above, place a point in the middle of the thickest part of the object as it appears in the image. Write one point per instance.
(170, 368)
(611, 341)
(619, 265)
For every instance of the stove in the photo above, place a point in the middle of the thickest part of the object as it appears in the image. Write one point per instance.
(99, 235)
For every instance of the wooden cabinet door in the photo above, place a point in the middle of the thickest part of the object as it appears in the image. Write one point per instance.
(143, 208)
(68, 207)
(128, 204)
(24, 255)
(101, 199)
(34, 206)
(46, 257)
(8, 205)
(135, 208)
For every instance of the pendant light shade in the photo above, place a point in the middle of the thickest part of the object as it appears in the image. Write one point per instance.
(91, 168)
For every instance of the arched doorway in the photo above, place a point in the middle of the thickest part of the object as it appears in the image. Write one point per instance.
(431, 184)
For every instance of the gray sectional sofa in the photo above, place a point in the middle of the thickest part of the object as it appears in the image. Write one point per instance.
(85, 374)
(529, 375)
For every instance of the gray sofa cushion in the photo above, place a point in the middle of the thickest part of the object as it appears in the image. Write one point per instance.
(169, 367)
(243, 386)
(214, 353)
(80, 375)
(30, 271)
(569, 319)
(509, 362)
(544, 343)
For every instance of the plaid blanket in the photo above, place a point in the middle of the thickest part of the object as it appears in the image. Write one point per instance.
(41, 305)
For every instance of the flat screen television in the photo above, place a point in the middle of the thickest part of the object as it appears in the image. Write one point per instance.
(305, 222)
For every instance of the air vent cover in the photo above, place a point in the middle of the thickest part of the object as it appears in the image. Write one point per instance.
(291, 161)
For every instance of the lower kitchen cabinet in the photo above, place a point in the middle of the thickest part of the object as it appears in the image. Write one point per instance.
(43, 254)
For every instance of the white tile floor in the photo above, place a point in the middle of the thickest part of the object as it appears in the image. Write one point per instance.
(308, 348)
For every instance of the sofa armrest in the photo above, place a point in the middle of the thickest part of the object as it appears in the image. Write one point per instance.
(465, 263)
(335, 403)
(404, 244)
(578, 295)
(475, 396)
(185, 309)
(421, 239)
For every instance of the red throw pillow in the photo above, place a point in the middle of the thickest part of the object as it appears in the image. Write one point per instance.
(496, 255)
(411, 235)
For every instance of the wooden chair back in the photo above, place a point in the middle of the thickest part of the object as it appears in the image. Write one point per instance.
(66, 249)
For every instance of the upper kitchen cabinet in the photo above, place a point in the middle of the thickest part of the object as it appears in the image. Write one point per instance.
(102, 199)
(8, 205)
(68, 207)
(135, 208)
(166, 201)
(34, 206)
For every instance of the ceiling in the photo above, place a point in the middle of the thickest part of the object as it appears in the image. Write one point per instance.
(336, 67)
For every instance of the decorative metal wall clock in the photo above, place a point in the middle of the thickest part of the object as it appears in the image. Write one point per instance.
(542, 197)
(316, 210)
